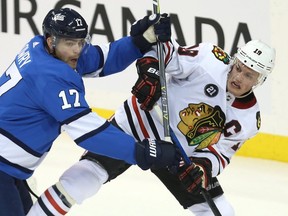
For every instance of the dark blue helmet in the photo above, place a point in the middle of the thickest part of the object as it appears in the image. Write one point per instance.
(64, 22)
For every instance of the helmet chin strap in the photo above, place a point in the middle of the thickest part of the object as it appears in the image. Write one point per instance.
(245, 94)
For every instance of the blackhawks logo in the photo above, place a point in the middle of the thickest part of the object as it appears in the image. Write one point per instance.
(201, 124)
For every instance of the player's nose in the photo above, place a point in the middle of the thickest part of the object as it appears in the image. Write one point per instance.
(77, 49)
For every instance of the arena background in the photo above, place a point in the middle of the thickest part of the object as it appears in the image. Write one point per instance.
(226, 23)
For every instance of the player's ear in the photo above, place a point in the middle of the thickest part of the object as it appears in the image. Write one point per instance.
(49, 42)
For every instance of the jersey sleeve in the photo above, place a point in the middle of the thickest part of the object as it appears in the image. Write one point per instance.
(180, 61)
(97, 135)
(63, 97)
(104, 60)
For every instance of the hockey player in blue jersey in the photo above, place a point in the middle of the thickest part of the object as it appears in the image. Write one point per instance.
(42, 94)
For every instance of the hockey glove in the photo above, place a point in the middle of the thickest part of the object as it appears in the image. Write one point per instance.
(196, 176)
(156, 154)
(145, 31)
(147, 88)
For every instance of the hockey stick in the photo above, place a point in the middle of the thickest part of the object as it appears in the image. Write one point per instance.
(168, 132)
(164, 97)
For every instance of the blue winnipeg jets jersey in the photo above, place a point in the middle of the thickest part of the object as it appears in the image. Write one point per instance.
(40, 96)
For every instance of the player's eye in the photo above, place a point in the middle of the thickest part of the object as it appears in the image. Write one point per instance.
(238, 68)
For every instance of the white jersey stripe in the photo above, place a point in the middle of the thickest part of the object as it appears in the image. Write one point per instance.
(83, 125)
(17, 155)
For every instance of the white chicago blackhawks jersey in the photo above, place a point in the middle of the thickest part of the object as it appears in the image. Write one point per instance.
(207, 120)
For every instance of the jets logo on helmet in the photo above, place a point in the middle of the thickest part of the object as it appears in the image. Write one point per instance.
(58, 17)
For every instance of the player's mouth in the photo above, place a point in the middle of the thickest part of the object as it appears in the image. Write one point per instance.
(235, 85)
(74, 60)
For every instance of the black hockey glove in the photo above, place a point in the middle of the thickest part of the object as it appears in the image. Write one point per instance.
(156, 154)
(147, 88)
(145, 31)
(196, 176)
(162, 29)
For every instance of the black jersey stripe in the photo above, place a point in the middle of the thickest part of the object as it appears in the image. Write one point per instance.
(62, 197)
(152, 125)
(19, 143)
(44, 208)
(17, 166)
(130, 120)
(75, 117)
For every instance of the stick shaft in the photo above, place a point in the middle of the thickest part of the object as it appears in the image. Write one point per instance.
(165, 113)
(164, 96)
(210, 202)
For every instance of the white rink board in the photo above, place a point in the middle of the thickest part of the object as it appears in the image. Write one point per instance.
(254, 187)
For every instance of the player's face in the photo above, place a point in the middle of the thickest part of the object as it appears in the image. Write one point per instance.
(68, 50)
(241, 79)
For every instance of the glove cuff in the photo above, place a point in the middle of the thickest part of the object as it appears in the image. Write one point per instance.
(140, 153)
(142, 43)
(149, 35)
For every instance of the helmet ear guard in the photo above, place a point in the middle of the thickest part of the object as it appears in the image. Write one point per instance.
(259, 57)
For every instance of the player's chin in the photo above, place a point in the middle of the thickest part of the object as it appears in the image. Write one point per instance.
(72, 63)
(235, 90)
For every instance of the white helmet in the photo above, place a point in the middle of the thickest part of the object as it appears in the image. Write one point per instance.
(259, 57)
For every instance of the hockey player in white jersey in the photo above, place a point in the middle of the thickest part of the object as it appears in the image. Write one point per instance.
(42, 94)
(213, 111)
